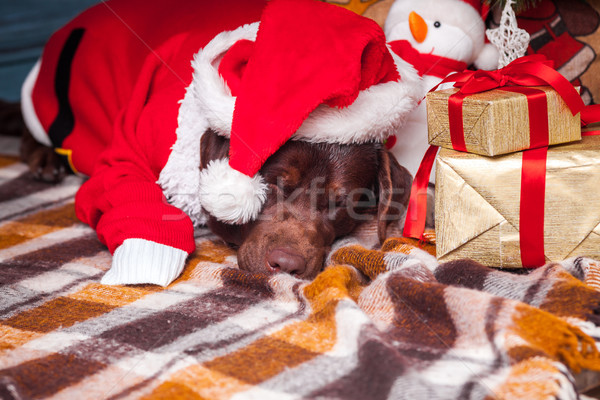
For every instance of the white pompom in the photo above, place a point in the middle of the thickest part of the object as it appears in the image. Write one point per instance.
(229, 195)
(487, 59)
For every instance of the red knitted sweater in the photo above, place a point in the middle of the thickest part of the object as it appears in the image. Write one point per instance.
(108, 92)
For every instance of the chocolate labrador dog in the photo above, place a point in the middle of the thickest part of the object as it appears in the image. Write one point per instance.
(318, 193)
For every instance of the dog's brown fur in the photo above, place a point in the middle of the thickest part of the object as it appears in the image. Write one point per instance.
(317, 193)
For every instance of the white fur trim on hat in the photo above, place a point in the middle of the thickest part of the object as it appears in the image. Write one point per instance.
(376, 113)
(180, 177)
(210, 90)
(229, 195)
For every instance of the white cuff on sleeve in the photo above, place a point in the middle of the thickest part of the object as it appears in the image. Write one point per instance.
(142, 261)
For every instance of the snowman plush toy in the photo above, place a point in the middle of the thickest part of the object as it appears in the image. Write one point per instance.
(438, 37)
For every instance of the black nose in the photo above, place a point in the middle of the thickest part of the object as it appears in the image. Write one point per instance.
(286, 260)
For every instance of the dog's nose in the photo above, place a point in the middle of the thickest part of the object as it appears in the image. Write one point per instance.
(286, 260)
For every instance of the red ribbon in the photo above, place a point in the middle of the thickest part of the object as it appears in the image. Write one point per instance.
(414, 224)
(590, 133)
(537, 104)
(590, 114)
(531, 213)
(455, 114)
(534, 70)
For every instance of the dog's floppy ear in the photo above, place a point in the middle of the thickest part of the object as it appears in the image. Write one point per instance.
(394, 182)
(212, 147)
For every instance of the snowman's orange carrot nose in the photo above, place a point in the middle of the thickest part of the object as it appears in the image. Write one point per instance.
(418, 26)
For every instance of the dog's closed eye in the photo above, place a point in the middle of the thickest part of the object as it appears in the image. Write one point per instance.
(365, 202)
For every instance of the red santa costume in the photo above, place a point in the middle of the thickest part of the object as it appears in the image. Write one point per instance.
(126, 90)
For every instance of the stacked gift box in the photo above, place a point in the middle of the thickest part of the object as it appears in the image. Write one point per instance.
(516, 184)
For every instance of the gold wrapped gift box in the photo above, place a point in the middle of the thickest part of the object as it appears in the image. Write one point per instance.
(477, 205)
(497, 122)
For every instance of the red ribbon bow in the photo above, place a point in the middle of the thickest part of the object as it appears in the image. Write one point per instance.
(518, 76)
(533, 70)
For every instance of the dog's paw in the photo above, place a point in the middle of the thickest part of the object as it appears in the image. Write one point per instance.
(45, 165)
(11, 121)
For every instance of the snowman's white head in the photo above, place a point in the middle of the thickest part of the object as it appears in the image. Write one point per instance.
(449, 28)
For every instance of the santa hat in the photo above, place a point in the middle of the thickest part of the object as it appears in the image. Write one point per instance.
(469, 15)
(313, 71)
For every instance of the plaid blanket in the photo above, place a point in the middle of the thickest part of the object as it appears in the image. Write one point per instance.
(375, 324)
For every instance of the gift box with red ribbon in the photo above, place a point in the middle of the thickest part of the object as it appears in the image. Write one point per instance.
(520, 209)
(525, 105)
(498, 121)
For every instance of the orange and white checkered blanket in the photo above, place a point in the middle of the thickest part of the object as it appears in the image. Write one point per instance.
(375, 324)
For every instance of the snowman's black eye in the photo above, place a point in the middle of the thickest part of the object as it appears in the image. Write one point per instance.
(437, 24)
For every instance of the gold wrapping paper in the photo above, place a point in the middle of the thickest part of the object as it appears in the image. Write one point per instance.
(497, 122)
(477, 204)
